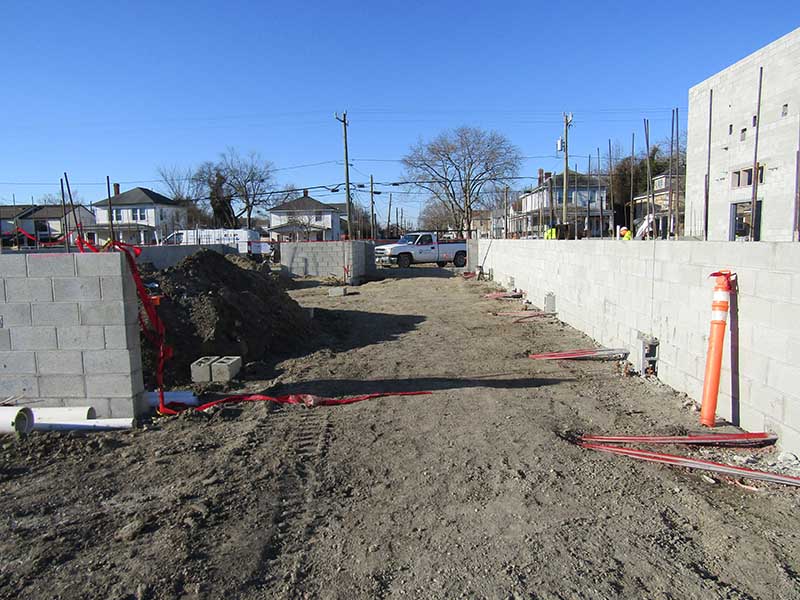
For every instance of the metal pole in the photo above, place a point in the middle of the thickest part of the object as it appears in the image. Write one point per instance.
(397, 221)
(610, 184)
(66, 220)
(633, 214)
(343, 121)
(669, 193)
(754, 202)
(650, 199)
(708, 167)
(78, 221)
(598, 199)
(676, 210)
(575, 208)
(588, 229)
(110, 220)
(389, 216)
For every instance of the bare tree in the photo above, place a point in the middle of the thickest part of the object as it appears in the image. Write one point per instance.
(250, 181)
(457, 165)
(435, 216)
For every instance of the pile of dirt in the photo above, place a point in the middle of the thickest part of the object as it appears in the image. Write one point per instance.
(212, 306)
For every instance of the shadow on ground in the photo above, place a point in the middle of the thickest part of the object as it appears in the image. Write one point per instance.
(415, 271)
(340, 387)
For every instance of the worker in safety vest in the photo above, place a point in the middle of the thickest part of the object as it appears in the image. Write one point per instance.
(626, 233)
(550, 234)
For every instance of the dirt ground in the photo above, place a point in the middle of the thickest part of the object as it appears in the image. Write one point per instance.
(469, 492)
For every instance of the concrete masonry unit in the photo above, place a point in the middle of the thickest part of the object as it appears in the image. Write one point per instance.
(621, 293)
(353, 262)
(69, 334)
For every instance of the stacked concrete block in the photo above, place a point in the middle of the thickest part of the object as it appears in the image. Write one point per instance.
(351, 262)
(68, 332)
(215, 368)
(201, 369)
(618, 292)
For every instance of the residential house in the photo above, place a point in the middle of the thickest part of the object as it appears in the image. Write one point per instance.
(11, 217)
(481, 224)
(723, 125)
(588, 207)
(139, 216)
(305, 219)
(40, 224)
(664, 192)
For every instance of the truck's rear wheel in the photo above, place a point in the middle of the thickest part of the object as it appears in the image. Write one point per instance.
(460, 259)
(404, 261)
(441, 264)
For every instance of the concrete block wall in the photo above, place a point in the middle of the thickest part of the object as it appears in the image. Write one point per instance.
(351, 261)
(617, 291)
(162, 257)
(69, 334)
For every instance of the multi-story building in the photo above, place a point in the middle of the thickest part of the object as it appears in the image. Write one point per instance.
(724, 124)
(139, 216)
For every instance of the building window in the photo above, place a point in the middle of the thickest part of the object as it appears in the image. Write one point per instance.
(318, 217)
(736, 178)
(741, 224)
(117, 214)
(755, 120)
(744, 177)
(743, 134)
(730, 129)
(784, 110)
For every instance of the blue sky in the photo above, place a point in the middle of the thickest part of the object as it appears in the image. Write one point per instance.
(106, 88)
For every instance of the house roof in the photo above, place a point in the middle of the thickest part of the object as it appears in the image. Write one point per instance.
(340, 206)
(136, 196)
(303, 204)
(9, 211)
(54, 211)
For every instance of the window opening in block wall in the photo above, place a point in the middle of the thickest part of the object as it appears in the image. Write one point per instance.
(743, 134)
(741, 226)
(755, 120)
(784, 110)
(730, 129)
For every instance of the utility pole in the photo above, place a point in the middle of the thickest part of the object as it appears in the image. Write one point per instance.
(402, 221)
(371, 207)
(389, 216)
(343, 121)
(567, 124)
(397, 220)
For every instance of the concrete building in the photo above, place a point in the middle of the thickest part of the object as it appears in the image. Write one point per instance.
(140, 216)
(721, 148)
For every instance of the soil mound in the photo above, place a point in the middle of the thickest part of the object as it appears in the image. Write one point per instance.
(211, 306)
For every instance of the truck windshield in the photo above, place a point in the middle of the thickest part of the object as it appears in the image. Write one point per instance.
(408, 239)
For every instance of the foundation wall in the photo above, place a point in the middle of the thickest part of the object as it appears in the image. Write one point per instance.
(617, 292)
(353, 262)
(68, 332)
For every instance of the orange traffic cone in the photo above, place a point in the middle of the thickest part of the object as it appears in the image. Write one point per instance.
(716, 339)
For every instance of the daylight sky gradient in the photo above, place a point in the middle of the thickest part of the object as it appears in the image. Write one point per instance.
(107, 88)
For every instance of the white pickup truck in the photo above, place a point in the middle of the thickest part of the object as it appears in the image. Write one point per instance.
(422, 247)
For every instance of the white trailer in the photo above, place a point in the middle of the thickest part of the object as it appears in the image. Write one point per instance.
(244, 240)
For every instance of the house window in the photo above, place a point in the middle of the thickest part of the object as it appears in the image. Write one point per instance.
(743, 134)
(318, 217)
(117, 214)
(784, 110)
(744, 177)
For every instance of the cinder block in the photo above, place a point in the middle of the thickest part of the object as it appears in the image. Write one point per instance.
(99, 362)
(14, 314)
(76, 288)
(107, 263)
(121, 337)
(201, 369)
(62, 386)
(29, 290)
(111, 386)
(59, 362)
(122, 407)
(51, 265)
(19, 385)
(226, 368)
(33, 338)
(17, 363)
(80, 338)
(336, 292)
(13, 266)
(111, 312)
(5, 339)
(115, 287)
(54, 313)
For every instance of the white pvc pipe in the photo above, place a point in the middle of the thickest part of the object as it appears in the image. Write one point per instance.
(16, 419)
(93, 425)
(183, 397)
(46, 414)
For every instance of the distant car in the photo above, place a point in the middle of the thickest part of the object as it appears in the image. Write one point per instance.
(422, 247)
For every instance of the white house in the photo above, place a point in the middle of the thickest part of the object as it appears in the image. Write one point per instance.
(139, 216)
(305, 219)
(40, 223)
(721, 148)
